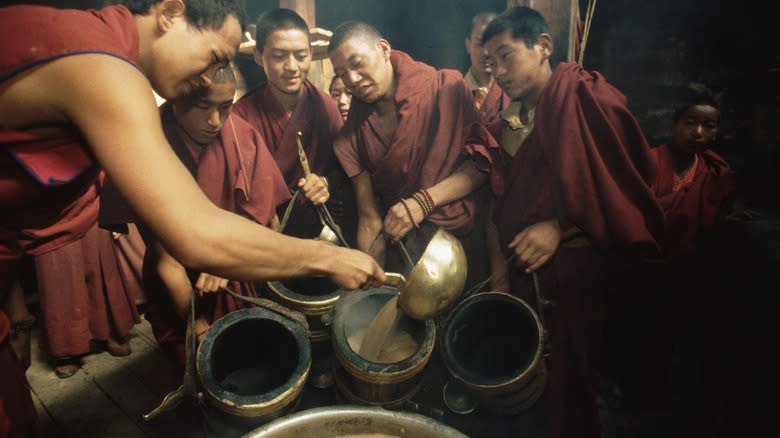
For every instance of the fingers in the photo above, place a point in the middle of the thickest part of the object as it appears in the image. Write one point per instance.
(315, 189)
(208, 283)
(397, 223)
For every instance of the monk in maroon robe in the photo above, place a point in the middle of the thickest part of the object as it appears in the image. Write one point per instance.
(236, 171)
(489, 98)
(402, 145)
(288, 103)
(571, 171)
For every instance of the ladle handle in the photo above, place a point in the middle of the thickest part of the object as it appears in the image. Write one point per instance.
(395, 280)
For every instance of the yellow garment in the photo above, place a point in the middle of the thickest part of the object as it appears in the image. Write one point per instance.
(516, 131)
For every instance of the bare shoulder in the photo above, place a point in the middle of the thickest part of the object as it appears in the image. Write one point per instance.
(56, 93)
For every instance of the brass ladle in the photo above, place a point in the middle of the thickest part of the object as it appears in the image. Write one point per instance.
(331, 232)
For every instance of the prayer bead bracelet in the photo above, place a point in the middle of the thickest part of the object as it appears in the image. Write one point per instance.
(424, 204)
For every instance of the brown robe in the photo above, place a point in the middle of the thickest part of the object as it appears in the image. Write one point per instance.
(237, 173)
(434, 107)
(318, 119)
(495, 102)
(587, 163)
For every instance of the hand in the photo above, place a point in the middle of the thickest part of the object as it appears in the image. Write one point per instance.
(315, 189)
(354, 269)
(208, 283)
(536, 244)
(398, 222)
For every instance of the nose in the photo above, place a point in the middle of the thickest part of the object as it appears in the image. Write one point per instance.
(289, 64)
(344, 99)
(700, 130)
(214, 119)
(352, 77)
(205, 79)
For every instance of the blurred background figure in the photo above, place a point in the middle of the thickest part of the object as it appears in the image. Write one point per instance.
(341, 95)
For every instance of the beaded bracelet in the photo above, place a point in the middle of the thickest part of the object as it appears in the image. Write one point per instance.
(409, 212)
(423, 201)
(430, 199)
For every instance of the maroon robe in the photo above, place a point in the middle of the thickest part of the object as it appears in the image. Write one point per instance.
(44, 179)
(587, 163)
(318, 118)
(237, 172)
(434, 107)
(696, 206)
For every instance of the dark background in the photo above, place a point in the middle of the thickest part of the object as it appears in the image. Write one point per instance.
(651, 51)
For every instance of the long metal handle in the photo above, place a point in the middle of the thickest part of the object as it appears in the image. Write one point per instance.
(274, 307)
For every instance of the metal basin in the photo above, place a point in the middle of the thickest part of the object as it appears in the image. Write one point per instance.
(354, 421)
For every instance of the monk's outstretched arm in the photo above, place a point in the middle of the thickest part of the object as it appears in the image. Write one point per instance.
(369, 220)
(111, 103)
(402, 218)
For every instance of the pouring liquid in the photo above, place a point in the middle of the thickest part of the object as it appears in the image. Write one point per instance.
(385, 340)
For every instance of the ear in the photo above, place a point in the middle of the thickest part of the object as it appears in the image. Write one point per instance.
(545, 44)
(384, 47)
(468, 45)
(258, 56)
(167, 11)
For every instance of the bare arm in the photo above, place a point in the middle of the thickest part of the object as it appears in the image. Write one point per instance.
(464, 180)
(369, 221)
(111, 103)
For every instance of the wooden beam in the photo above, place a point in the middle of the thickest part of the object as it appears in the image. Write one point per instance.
(304, 8)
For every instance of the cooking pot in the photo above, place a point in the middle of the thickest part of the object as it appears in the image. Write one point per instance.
(354, 421)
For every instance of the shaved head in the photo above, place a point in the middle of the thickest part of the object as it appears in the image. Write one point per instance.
(224, 75)
(353, 30)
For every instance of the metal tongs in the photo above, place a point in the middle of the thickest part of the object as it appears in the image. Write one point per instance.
(331, 232)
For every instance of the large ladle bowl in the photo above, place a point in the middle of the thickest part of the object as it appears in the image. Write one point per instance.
(436, 280)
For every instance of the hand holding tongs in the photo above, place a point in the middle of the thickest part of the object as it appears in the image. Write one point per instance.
(331, 232)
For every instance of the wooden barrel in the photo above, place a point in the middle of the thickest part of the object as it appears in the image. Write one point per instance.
(312, 296)
(252, 365)
(372, 383)
(493, 344)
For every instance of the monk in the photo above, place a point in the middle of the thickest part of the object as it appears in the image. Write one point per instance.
(339, 92)
(288, 103)
(234, 168)
(60, 123)
(402, 145)
(571, 171)
(488, 96)
(694, 185)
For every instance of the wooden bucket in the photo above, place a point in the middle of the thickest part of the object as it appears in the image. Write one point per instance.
(493, 344)
(314, 297)
(371, 383)
(253, 364)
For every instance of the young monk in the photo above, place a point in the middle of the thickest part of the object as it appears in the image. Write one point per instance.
(60, 124)
(488, 96)
(339, 92)
(289, 103)
(571, 171)
(229, 160)
(694, 185)
(402, 145)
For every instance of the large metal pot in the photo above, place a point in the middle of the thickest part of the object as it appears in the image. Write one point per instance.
(349, 421)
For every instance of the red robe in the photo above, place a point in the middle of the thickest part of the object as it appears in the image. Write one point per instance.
(696, 206)
(587, 163)
(237, 172)
(317, 117)
(44, 179)
(434, 107)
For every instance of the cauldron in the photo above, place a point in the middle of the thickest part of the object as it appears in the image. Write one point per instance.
(252, 365)
(354, 421)
(382, 384)
(493, 344)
